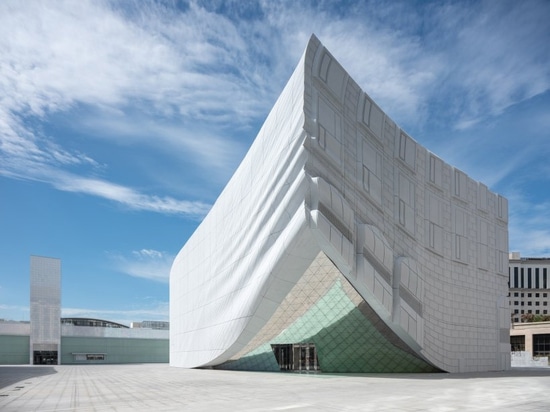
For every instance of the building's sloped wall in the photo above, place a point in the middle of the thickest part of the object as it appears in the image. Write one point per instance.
(116, 350)
(422, 244)
(220, 280)
(14, 350)
(430, 243)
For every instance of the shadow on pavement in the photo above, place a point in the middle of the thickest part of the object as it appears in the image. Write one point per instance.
(14, 374)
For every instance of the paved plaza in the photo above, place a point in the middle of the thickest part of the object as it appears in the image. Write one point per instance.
(159, 387)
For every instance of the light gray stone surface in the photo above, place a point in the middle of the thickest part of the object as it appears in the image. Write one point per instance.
(162, 388)
(424, 245)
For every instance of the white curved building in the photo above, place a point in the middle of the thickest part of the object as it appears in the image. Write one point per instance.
(342, 245)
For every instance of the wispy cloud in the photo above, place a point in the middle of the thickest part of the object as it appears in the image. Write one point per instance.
(145, 263)
(201, 65)
(502, 55)
(529, 225)
(125, 196)
(391, 65)
(130, 197)
(63, 53)
(197, 145)
(138, 60)
(446, 61)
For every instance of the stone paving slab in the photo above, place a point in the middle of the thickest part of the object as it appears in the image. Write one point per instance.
(159, 387)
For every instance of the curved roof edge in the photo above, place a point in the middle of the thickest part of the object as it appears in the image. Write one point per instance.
(92, 322)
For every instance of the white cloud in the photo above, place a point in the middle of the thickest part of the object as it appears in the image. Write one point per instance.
(145, 263)
(499, 57)
(465, 62)
(56, 57)
(390, 65)
(130, 197)
(212, 154)
(205, 66)
(62, 53)
(123, 195)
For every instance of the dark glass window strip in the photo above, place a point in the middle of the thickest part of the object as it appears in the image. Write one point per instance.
(517, 343)
(541, 345)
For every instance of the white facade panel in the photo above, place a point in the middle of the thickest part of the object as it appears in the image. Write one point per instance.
(398, 223)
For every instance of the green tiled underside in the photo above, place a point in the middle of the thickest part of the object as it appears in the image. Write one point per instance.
(345, 339)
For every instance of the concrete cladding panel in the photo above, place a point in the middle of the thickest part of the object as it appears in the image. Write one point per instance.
(422, 246)
(45, 304)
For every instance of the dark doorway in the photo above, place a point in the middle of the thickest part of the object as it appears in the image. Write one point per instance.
(296, 356)
(44, 357)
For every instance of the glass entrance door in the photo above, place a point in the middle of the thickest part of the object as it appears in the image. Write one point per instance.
(44, 357)
(296, 356)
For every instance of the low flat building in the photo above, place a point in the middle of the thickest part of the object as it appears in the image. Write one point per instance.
(50, 339)
(532, 337)
(530, 343)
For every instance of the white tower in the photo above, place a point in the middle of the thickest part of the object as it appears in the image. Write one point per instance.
(45, 339)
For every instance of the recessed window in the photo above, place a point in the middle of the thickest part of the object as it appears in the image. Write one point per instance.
(517, 343)
(541, 345)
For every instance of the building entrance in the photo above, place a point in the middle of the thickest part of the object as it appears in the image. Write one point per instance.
(44, 357)
(296, 356)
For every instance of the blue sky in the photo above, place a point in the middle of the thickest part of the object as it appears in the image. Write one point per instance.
(121, 122)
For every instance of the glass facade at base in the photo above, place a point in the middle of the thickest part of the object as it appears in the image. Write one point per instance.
(324, 318)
